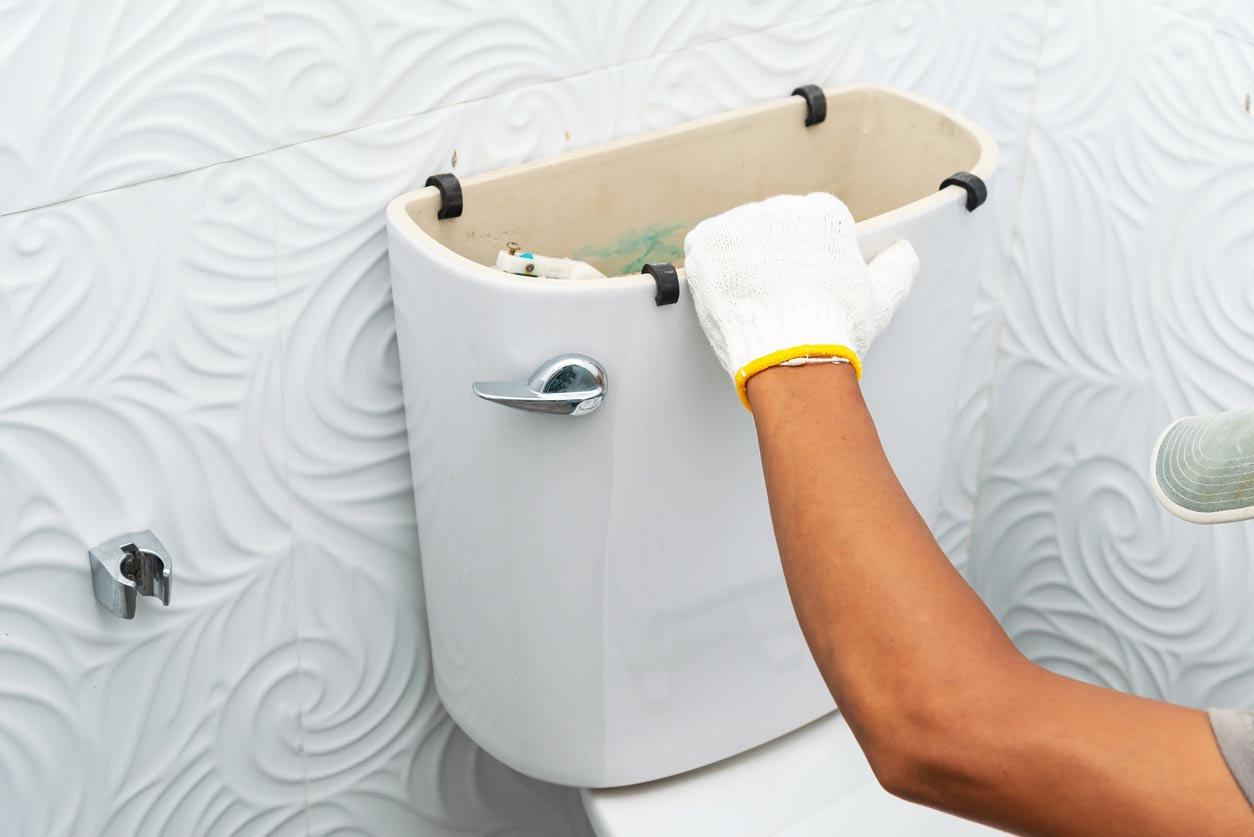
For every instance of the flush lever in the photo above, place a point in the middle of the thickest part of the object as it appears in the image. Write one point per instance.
(127, 566)
(566, 385)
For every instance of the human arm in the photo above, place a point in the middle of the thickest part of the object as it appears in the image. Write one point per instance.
(948, 711)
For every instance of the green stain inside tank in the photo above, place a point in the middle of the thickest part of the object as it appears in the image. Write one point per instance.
(627, 253)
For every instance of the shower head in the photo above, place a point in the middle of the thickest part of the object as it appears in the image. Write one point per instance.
(1203, 467)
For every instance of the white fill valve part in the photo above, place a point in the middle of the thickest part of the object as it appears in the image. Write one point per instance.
(533, 264)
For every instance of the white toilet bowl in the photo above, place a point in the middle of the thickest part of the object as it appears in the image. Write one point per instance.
(603, 590)
(812, 782)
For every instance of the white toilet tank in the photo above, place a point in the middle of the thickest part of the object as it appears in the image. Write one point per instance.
(604, 594)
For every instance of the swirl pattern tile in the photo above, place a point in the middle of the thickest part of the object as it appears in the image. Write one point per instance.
(104, 93)
(341, 64)
(1123, 312)
(138, 375)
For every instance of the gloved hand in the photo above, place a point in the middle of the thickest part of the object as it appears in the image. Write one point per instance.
(783, 281)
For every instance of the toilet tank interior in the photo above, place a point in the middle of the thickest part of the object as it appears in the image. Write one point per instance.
(629, 202)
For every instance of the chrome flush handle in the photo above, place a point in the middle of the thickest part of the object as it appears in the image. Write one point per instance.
(566, 385)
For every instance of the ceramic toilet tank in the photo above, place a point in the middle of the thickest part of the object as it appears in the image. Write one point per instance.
(604, 594)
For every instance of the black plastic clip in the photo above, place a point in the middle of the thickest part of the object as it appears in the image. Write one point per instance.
(977, 192)
(667, 280)
(450, 194)
(816, 103)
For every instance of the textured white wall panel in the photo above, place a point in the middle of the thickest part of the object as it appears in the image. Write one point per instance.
(1203, 284)
(1122, 272)
(102, 93)
(341, 64)
(139, 372)
(1229, 17)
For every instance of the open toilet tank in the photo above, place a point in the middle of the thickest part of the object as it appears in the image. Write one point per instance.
(604, 594)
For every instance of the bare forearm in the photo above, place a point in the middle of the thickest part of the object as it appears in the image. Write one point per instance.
(949, 712)
(879, 602)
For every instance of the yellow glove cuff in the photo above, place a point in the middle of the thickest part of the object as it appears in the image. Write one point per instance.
(776, 358)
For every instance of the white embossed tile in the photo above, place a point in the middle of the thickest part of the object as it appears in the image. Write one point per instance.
(1111, 140)
(740, 71)
(1236, 18)
(139, 369)
(139, 364)
(1201, 296)
(1086, 571)
(336, 65)
(1201, 11)
(102, 93)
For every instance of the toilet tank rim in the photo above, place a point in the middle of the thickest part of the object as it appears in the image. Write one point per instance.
(403, 225)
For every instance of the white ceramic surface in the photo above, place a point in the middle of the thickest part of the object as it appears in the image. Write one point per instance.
(812, 782)
(598, 586)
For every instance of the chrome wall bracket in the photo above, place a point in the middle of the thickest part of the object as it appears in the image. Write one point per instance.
(128, 566)
(566, 385)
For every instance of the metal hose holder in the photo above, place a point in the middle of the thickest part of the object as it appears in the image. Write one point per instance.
(128, 566)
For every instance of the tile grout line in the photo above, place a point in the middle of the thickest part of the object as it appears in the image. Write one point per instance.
(291, 492)
(1193, 164)
(438, 108)
(857, 4)
(294, 588)
(1220, 28)
(1006, 277)
(121, 186)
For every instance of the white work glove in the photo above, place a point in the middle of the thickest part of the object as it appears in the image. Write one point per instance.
(783, 281)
